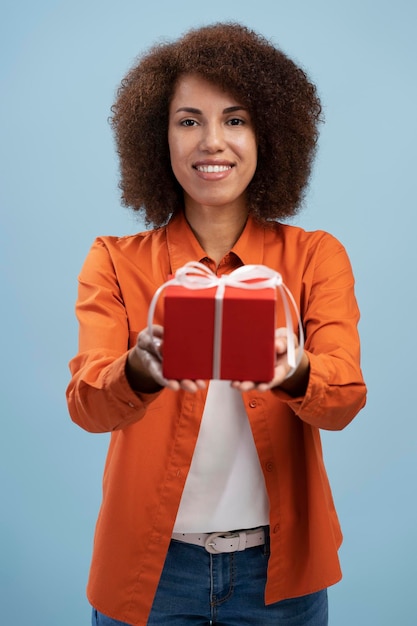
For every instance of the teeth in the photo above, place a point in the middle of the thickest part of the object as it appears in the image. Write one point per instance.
(209, 169)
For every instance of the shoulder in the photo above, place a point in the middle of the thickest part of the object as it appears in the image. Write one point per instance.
(297, 240)
(297, 234)
(129, 247)
(301, 255)
(115, 255)
(128, 243)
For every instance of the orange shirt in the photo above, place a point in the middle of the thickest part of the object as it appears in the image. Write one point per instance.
(153, 436)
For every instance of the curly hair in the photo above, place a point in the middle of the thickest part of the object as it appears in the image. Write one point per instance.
(283, 104)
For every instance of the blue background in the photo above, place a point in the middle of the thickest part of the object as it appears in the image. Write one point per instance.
(60, 65)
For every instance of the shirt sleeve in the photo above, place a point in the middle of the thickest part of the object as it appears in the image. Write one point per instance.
(336, 391)
(99, 396)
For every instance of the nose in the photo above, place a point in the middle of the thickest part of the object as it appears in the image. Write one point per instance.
(212, 139)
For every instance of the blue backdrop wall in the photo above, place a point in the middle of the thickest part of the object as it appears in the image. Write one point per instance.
(61, 62)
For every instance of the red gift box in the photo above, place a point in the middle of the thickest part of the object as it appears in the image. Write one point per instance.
(241, 342)
(224, 327)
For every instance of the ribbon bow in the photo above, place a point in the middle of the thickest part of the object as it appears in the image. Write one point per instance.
(194, 275)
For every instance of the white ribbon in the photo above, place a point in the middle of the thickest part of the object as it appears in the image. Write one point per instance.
(194, 275)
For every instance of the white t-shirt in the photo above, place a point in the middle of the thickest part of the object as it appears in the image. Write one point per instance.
(225, 488)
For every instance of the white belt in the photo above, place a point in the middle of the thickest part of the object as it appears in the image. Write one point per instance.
(233, 541)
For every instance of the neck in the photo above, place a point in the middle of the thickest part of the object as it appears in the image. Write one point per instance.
(216, 230)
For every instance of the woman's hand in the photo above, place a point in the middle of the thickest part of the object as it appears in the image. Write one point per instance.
(296, 383)
(144, 365)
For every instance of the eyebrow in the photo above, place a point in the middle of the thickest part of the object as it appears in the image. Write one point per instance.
(231, 109)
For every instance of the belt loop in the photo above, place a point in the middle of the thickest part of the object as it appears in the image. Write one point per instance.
(242, 541)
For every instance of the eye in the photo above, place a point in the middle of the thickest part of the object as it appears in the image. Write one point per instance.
(188, 122)
(236, 121)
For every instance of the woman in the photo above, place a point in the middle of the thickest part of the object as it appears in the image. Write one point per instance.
(216, 504)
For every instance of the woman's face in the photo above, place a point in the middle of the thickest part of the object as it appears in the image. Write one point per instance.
(212, 145)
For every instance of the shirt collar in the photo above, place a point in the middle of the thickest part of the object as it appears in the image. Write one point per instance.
(250, 245)
(183, 245)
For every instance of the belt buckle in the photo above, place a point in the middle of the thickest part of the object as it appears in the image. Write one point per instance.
(210, 543)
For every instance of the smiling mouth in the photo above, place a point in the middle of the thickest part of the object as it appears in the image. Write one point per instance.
(211, 169)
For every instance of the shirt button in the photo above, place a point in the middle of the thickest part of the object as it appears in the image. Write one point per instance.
(253, 404)
(269, 466)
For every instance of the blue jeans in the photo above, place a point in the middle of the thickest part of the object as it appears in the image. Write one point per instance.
(224, 590)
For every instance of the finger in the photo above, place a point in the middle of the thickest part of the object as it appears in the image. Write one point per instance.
(174, 385)
(150, 344)
(262, 387)
(243, 385)
(157, 330)
(281, 339)
(153, 366)
(282, 332)
(192, 385)
(281, 344)
(280, 374)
